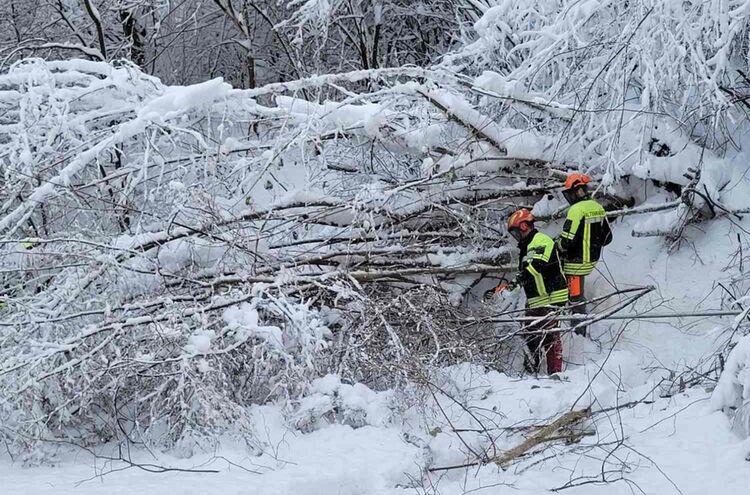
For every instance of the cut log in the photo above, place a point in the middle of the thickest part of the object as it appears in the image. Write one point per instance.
(543, 435)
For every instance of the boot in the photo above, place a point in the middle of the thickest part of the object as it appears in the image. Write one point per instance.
(531, 364)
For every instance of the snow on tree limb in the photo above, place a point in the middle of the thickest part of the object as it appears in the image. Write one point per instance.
(200, 247)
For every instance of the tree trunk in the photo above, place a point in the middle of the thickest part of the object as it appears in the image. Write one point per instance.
(135, 36)
(93, 12)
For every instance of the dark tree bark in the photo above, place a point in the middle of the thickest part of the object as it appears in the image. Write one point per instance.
(135, 36)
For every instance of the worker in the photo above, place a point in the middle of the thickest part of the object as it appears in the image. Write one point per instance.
(540, 274)
(585, 232)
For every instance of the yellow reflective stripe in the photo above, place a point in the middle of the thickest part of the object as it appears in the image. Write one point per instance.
(533, 254)
(538, 302)
(587, 243)
(541, 246)
(589, 208)
(559, 296)
(538, 281)
(575, 215)
(538, 256)
(540, 242)
(578, 268)
(570, 234)
(548, 247)
(567, 235)
(589, 264)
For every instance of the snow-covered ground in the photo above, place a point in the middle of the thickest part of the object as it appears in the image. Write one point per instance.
(671, 442)
(675, 445)
(606, 85)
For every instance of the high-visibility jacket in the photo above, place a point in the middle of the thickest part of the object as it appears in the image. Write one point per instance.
(540, 272)
(585, 232)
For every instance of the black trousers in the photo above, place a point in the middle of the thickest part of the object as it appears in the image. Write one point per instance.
(577, 299)
(541, 341)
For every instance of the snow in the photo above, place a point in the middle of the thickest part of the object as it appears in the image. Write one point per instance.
(231, 144)
(349, 439)
(346, 438)
(355, 405)
(684, 281)
(337, 116)
(669, 434)
(342, 437)
(303, 197)
(732, 393)
(502, 87)
(200, 342)
(321, 463)
(165, 105)
(548, 205)
(181, 253)
(660, 221)
(459, 258)
(176, 101)
(243, 320)
(511, 142)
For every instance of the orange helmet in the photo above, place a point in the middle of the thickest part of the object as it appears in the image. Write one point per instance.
(575, 180)
(575, 188)
(519, 217)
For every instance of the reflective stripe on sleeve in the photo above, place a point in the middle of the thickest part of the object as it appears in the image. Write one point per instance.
(578, 268)
(538, 302)
(557, 297)
(586, 243)
(538, 281)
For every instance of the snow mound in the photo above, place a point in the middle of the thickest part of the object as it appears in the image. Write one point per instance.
(243, 320)
(732, 394)
(331, 401)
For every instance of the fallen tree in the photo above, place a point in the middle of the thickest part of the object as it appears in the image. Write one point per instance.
(172, 254)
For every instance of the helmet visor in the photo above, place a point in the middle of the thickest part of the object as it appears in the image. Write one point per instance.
(570, 195)
(516, 233)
